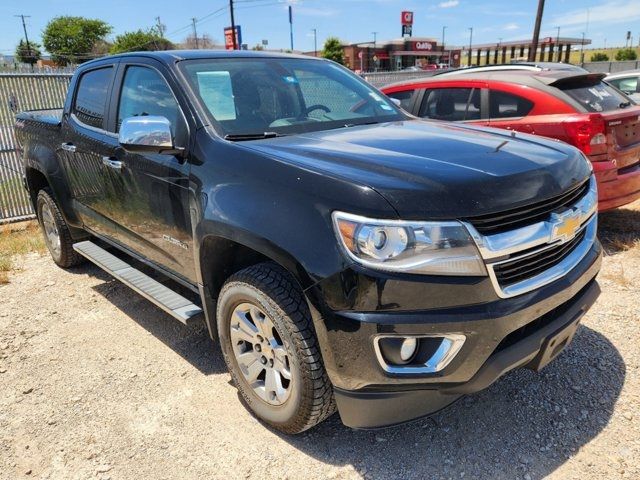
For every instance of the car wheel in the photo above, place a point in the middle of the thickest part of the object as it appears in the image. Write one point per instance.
(56, 232)
(267, 339)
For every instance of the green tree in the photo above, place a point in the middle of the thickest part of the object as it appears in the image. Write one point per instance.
(626, 54)
(599, 57)
(332, 50)
(72, 39)
(141, 41)
(30, 54)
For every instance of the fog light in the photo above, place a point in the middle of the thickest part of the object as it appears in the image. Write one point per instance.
(408, 349)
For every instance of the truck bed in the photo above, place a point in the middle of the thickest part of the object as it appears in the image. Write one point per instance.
(49, 116)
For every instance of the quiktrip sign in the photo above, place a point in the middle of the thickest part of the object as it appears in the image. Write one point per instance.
(406, 19)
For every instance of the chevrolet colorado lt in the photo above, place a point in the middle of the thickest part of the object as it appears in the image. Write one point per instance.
(345, 255)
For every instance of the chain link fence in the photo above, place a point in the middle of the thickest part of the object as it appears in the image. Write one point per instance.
(19, 92)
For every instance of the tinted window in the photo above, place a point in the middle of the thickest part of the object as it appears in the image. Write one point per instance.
(505, 105)
(451, 104)
(91, 97)
(284, 95)
(405, 98)
(627, 85)
(145, 92)
(594, 96)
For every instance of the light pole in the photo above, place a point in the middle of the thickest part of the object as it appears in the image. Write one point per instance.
(558, 44)
(315, 42)
(443, 50)
(582, 49)
(470, 41)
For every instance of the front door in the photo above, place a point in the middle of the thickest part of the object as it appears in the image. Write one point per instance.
(153, 214)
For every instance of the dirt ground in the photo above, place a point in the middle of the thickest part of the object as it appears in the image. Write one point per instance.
(95, 382)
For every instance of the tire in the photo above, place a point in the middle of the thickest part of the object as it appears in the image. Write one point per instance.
(56, 232)
(304, 400)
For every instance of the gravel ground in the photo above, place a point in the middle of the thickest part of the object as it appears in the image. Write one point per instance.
(97, 383)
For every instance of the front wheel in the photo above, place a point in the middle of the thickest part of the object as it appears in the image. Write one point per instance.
(267, 339)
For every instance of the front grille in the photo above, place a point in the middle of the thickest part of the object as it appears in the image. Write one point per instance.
(515, 271)
(527, 215)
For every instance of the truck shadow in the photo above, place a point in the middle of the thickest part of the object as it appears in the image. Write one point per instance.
(619, 229)
(526, 423)
(190, 342)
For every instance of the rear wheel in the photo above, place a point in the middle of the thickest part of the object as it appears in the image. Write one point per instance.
(269, 346)
(56, 232)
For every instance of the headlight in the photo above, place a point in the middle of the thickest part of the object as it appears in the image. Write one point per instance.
(436, 248)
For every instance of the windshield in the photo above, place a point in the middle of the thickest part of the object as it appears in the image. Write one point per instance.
(251, 96)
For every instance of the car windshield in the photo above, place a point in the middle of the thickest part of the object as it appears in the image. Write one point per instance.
(254, 96)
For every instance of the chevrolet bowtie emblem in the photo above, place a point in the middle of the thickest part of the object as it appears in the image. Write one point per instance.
(565, 225)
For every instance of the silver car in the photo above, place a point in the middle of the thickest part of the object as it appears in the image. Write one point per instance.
(628, 82)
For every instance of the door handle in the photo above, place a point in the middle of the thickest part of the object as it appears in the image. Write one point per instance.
(69, 147)
(112, 163)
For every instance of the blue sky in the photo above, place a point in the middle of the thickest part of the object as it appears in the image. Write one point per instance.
(350, 20)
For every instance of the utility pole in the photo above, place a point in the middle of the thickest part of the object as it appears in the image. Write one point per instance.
(195, 32)
(26, 37)
(443, 50)
(315, 42)
(375, 63)
(558, 44)
(291, 26)
(161, 28)
(536, 32)
(470, 42)
(233, 26)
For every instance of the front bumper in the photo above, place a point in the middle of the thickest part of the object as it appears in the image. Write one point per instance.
(501, 334)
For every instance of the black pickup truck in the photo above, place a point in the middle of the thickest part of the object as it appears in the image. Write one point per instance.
(344, 254)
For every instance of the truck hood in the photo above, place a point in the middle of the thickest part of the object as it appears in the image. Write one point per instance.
(435, 170)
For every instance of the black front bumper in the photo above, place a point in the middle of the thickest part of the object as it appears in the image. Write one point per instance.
(525, 331)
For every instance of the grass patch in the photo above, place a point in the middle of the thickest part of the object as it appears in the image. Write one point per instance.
(18, 239)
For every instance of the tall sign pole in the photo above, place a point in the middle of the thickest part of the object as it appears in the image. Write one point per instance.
(233, 26)
(536, 32)
(291, 26)
(470, 43)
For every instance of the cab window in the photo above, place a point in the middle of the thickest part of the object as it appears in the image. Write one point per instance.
(628, 85)
(145, 92)
(506, 105)
(90, 104)
(451, 104)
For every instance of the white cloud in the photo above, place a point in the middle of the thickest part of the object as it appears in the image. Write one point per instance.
(449, 4)
(511, 26)
(609, 12)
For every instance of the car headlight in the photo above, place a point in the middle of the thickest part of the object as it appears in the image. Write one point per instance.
(435, 248)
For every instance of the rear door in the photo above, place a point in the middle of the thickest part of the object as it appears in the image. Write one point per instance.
(153, 213)
(85, 145)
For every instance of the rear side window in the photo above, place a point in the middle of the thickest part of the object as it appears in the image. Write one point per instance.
(405, 97)
(91, 97)
(451, 104)
(505, 105)
(627, 85)
(595, 97)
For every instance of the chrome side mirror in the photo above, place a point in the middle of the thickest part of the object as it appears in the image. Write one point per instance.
(147, 134)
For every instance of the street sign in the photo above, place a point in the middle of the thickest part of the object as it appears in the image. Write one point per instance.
(228, 38)
(406, 30)
(265, 42)
(406, 18)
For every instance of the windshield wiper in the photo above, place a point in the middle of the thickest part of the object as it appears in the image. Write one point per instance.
(238, 137)
(349, 125)
(624, 105)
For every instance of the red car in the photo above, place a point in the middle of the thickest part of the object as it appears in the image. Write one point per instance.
(573, 106)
